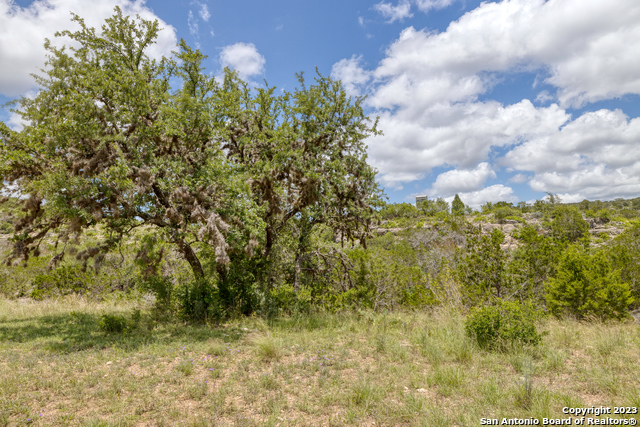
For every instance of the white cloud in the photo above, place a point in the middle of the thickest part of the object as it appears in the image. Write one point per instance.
(461, 180)
(193, 24)
(394, 13)
(587, 47)
(427, 88)
(519, 178)
(493, 194)
(426, 5)
(24, 30)
(403, 9)
(351, 73)
(244, 58)
(544, 97)
(203, 12)
(595, 156)
(416, 140)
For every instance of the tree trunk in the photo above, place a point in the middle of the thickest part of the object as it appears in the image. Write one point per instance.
(192, 259)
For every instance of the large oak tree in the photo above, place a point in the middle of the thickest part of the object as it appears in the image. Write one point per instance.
(116, 138)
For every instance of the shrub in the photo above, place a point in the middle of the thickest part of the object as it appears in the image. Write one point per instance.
(199, 301)
(162, 288)
(502, 213)
(64, 280)
(287, 300)
(112, 323)
(117, 324)
(568, 224)
(587, 286)
(503, 324)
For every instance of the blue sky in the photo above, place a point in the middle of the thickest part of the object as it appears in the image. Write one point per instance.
(501, 100)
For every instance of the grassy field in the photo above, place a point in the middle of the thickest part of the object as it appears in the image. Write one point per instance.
(58, 367)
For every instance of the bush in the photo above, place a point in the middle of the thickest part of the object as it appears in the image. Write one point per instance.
(117, 324)
(586, 286)
(199, 301)
(568, 224)
(287, 300)
(503, 324)
(162, 289)
(64, 280)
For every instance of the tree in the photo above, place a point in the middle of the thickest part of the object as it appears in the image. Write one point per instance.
(218, 169)
(482, 270)
(434, 207)
(568, 223)
(457, 207)
(532, 263)
(107, 142)
(624, 253)
(586, 286)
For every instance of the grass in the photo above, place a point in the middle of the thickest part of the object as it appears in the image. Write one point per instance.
(58, 366)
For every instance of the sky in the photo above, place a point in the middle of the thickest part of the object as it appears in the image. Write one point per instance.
(494, 100)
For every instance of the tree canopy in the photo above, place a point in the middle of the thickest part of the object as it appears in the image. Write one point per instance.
(217, 167)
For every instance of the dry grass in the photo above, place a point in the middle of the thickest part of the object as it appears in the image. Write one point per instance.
(58, 368)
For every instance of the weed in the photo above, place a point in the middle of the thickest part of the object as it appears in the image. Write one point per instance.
(267, 348)
(185, 367)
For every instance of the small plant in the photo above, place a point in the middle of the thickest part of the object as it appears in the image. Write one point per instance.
(217, 348)
(504, 324)
(117, 324)
(524, 395)
(268, 381)
(267, 348)
(185, 367)
(113, 323)
(365, 394)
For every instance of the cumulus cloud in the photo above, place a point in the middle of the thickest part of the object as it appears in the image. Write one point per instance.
(25, 29)
(416, 140)
(597, 155)
(461, 180)
(351, 73)
(493, 194)
(394, 13)
(519, 178)
(427, 93)
(588, 47)
(244, 58)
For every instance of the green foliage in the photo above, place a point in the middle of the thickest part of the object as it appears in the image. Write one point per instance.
(117, 324)
(288, 301)
(624, 253)
(482, 268)
(64, 280)
(568, 224)
(503, 325)
(434, 207)
(457, 206)
(532, 263)
(586, 286)
(112, 323)
(398, 210)
(385, 276)
(217, 171)
(199, 301)
(500, 214)
(162, 288)
(604, 214)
